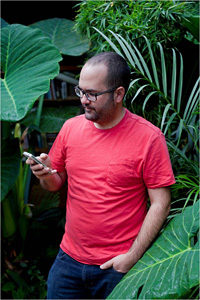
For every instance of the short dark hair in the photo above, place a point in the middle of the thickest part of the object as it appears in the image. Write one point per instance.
(118, 69)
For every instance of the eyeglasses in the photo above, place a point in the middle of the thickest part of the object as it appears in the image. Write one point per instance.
(89, 95)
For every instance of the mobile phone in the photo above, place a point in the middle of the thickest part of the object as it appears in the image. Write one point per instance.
(31, 156)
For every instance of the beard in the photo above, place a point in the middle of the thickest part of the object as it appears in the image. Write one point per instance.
(102, 114)
(90, 113)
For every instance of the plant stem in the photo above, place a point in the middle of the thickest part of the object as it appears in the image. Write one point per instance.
(39, 111)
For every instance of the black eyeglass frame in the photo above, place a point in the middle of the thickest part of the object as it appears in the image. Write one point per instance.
(93, 94)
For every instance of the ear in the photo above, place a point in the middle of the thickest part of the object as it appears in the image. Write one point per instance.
(119, 94)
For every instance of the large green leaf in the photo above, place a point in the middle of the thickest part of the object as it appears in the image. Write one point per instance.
(170, 268)
(3, 23)
(63, 36)
(10, 159)
(52, 118)
(29, 61)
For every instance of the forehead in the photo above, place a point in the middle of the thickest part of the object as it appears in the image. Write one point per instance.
(93, 76)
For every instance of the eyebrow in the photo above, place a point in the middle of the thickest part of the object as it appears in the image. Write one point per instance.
(88, 90)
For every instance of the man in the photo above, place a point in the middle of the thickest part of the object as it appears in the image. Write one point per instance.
(113, 161)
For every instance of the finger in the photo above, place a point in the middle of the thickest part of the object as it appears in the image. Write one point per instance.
(107, 264)
(40, 172)
(43, 156)
(37, 167)
(29, 161)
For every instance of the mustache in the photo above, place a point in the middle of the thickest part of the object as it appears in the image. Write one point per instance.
(87, 106)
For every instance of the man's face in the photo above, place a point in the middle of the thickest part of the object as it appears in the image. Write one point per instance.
(93, 79)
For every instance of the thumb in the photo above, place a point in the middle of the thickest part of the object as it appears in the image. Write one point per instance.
(107, 264)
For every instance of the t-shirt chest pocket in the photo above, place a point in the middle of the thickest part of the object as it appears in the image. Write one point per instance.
(121, 173)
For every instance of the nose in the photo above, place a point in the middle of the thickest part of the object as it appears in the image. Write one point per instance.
(84, 100)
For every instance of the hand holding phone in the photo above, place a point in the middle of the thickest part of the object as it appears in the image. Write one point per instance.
(31, 156)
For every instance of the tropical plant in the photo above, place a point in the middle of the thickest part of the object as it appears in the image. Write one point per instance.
(52, 118)
(177, 116)
(170, 268)
(176, 250)
(157, 20)
(27, 72)
(29, 62)
(63, 36)
(186, 190)
(14, 286)
(32, 65)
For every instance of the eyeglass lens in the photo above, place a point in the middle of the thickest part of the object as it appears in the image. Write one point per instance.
(81, 93)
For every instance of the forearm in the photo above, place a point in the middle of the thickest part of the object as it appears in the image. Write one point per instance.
(156, 216)
(52, 182)
(152, 224)
(160, 205)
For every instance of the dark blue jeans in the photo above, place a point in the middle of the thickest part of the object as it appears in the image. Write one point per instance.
(69, 279)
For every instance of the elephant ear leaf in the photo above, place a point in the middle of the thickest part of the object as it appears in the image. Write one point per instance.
(3, 23)
(63, 36)
(29, 61)
(170, 268)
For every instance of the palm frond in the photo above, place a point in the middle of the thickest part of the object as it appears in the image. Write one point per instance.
(192, 101)
(180, 87)
(158, 84)
(146, 99)
(176, 151)
(153, 64)
(163, 68)
(110, 42)
(173, 82)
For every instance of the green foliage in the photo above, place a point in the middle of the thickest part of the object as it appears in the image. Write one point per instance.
(29, 61)
(158, 80)
(170, 268)
(167, 85)
(3, 23)
(9, 165)
(186, 190)
(175, 115)
(192, 24)
(63, 36)
(23, 281)
(165, 270)
(9, 216)
(52, 118)
(157, 20)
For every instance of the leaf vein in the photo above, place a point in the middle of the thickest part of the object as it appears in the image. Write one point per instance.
(10, 94)
(178, 237)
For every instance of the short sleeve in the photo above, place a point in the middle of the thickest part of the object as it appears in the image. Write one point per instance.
(58, 150)
(157, 169)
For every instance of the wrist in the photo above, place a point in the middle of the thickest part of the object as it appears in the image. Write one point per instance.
(51, 182)
(135, 252)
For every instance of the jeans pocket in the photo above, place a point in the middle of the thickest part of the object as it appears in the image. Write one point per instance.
(61, 254)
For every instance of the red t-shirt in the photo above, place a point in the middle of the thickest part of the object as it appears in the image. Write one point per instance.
(109, 172)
